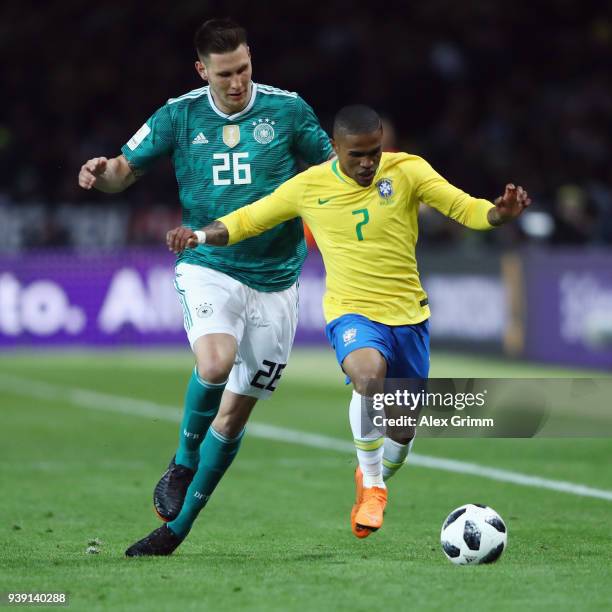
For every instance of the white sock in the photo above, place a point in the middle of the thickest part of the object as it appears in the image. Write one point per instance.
(369, 446)
(394, 456)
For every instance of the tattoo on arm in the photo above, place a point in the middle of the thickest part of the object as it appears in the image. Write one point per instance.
(216, 234)
(494, 218)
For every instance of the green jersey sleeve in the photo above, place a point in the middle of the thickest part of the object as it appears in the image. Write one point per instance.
(310, 142)
(153, 140)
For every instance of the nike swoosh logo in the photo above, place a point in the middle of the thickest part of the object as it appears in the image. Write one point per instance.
(322, 201)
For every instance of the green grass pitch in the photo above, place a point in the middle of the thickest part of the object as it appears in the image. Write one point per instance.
(77, 465)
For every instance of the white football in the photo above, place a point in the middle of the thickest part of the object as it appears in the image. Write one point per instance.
(473, 534)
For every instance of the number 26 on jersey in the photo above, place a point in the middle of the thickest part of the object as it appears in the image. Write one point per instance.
(232, 169)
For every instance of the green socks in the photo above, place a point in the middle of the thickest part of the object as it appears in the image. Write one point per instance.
(216, 455)
(201, 406)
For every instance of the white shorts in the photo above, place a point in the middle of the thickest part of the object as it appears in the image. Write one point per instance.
(263, 324)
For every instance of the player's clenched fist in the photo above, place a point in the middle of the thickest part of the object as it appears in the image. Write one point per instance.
(91, 170)
(181, 238)
(107, 175)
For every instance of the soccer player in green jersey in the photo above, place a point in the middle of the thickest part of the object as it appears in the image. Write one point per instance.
(231, 142)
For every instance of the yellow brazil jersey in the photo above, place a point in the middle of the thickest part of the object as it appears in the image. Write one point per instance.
(367, 235)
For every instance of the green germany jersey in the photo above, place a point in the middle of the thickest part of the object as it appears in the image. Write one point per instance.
(223, 162)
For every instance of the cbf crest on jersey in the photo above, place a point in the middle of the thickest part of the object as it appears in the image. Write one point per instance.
(231, 135)
(264, 131)
(385, 188)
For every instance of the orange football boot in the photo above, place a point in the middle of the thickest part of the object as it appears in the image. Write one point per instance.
(369, 514)
(357, 531)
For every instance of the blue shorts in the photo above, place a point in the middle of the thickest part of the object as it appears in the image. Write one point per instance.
(404, 347)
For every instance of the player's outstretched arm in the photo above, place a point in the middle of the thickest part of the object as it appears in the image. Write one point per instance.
(181, 238)
(242, 223)
(107, 175)
(508, 206)
(475, 213)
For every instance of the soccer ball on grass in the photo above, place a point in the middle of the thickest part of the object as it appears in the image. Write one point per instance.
(473, 534)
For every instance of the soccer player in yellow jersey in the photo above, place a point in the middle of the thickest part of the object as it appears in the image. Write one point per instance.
(362, 208)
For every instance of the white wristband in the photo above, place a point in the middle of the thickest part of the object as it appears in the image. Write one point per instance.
(201, 236)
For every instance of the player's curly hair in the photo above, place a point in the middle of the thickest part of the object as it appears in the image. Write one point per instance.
(219, 36)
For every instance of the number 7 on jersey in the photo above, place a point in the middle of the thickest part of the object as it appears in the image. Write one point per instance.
(364, 221)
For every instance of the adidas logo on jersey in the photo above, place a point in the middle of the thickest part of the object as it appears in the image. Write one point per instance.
(200, 139)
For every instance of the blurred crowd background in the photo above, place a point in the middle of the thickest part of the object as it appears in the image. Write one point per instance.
(488, 92)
